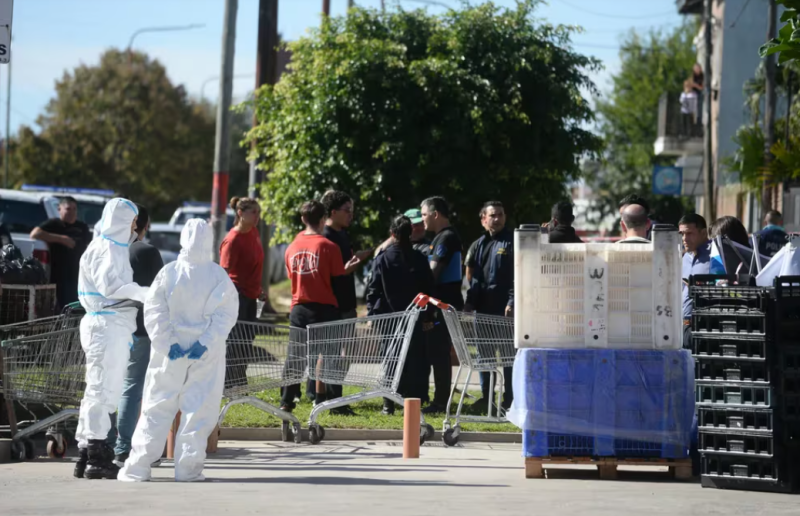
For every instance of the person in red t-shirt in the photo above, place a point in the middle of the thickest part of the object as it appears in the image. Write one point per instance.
(242, 256)
(313, 264)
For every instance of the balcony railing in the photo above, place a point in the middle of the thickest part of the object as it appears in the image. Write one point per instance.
(678, 133)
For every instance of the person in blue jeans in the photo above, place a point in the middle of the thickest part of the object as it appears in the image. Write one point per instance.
(491, 290)
(146, 261)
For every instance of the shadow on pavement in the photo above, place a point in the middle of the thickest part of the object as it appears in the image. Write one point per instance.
(343, 481)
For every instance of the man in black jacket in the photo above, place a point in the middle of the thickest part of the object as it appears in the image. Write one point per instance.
(491, 289)
(561, 230)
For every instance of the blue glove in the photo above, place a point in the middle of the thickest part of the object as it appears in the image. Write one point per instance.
(196, 351)
(175, 352)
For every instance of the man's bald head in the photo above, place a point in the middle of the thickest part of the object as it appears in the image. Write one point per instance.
(635, 217)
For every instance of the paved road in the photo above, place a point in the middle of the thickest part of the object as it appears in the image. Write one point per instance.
(371, 478)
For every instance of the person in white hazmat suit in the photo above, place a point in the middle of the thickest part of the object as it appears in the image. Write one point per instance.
(190, 310)
(105, 278)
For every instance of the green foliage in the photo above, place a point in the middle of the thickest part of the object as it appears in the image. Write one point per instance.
(787, 44)
(124, 126)
(478, 104)
(651, 65)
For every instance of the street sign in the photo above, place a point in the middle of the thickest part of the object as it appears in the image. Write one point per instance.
(6, 11)
(667, 180)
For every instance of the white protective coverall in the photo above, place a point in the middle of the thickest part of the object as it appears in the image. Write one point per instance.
(106, 278)
(191, 300)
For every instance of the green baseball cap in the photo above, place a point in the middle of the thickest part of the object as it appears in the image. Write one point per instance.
(415, 215)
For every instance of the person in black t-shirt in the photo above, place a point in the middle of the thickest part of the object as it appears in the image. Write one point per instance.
(68, 238)
(445, 262)
(339, 208)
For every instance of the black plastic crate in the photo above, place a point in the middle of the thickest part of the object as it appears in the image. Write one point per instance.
(747, 473)
(737, 443)
(706, 293)
(735, 419)
(717, 393)
(729, 321)
(729, 346)
(732, 370)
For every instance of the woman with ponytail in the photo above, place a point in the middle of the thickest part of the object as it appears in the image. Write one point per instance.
(242, 257)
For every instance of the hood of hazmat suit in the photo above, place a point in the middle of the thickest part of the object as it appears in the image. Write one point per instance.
(106, 278)
(191, 300)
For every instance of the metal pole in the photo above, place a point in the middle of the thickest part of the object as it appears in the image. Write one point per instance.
(8, 122)
(769, 110)
(222, 147)
(708, 165)
(266, 73)
(351, 4)
(788, 128)
(326, 7)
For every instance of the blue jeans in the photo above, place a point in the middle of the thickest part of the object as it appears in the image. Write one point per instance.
(129, 404)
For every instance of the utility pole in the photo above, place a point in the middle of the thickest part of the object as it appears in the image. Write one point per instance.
(8, 123)
(788, 128)
(326, 7)
(222, 146)
(266, 73)
(769, 110)
(708, 165)
(351, 4)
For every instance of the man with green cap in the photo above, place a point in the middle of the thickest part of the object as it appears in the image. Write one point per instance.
(418, 239)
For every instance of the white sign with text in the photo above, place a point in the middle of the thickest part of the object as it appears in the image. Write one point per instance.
(6, 12)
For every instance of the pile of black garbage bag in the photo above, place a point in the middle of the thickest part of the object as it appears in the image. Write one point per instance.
(17, 270)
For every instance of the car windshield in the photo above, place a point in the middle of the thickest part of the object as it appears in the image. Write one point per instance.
(165, 240)
(21, 216)
(90, 212)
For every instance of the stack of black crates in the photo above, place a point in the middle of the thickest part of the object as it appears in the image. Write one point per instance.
(746, 344)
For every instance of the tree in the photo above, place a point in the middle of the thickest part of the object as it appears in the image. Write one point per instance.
(122, 125)
(787, 44)
(478, 104)
(651, 65)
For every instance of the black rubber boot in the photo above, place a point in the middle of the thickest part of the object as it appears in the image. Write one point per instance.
(101, 462)
(80, 466)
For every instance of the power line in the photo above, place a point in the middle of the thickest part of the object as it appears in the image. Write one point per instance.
(617, 16)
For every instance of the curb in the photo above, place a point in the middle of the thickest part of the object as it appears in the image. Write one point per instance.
(339, 434)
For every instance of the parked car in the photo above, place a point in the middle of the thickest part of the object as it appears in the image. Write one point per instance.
(192, 210)
(167, 239)
(20, 213)
(90, 201)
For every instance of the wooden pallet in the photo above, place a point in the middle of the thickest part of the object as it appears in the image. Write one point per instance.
(607, 466)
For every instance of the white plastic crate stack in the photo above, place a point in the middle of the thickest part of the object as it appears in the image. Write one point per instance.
(598, 296)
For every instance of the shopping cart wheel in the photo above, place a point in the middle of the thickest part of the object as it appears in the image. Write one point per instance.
(429, 432)
(450, 437)
(56, 446)
(298, 434)
(316, 434)
(286, 432)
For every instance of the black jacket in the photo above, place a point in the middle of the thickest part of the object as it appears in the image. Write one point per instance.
(564, 235)
(492, 286)
(398, 275)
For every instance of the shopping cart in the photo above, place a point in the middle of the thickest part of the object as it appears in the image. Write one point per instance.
(70, 317)
(484, 344)
(48, 370)
(367, 352)
(263, 356)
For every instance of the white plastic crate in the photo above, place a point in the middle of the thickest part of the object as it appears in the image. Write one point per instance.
(608, 296)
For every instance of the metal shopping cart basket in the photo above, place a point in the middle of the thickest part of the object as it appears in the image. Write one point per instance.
(484, 344)
(367, 352)
(70, 317)
(263, 356)
(47, 369)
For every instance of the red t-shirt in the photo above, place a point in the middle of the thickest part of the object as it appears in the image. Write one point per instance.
(242, 256)
(311, 262)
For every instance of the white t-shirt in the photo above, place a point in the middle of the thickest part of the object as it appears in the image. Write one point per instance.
(689, 103)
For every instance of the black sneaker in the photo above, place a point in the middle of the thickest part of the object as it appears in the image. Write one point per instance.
(343, 411)
(101, 462)
(80, 466)
(287, 408)
(388, 409)
(119, 460)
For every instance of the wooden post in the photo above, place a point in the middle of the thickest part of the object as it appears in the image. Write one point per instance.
(411, 428)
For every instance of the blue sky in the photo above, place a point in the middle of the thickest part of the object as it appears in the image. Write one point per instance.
(51, 36)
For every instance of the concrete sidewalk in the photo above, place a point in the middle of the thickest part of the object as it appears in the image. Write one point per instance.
(371, 478)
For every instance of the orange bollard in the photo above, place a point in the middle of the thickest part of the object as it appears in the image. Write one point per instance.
(213, 441)
(411, 417)
(171, 436)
